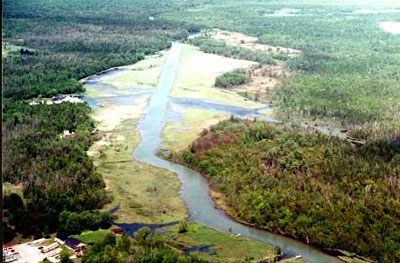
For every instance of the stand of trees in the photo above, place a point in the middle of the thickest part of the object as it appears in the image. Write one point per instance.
(314, 187)
(230, 79)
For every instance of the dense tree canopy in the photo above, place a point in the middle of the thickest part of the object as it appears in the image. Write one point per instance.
(314, 187)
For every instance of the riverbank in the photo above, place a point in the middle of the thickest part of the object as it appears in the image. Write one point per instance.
(143, 193)
(258, 182)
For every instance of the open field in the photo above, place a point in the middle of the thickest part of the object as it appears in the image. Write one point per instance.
(262, 82)
(178, 135)
(6, 48)
(249, 42)
(93, 92)
(145, 194)
(227, 247)
(196, 76)
(92, 236)
(145, 73)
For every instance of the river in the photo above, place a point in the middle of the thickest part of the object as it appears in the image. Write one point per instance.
(195, 189)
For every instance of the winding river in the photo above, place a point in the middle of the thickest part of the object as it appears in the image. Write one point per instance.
(195, 190)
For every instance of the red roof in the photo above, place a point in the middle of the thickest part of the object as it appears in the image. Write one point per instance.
(117, 230)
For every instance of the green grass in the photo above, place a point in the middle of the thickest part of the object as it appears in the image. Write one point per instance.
(228, 248)
(196, 75)
(291, 260)
(145, 194)
(92, 236)
(178, 135)
(145, 73)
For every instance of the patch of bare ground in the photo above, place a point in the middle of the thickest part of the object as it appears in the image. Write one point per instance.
(245, 41)
(262, 81)
(111, 116)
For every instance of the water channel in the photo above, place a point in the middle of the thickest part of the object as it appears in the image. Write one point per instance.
(194, 187)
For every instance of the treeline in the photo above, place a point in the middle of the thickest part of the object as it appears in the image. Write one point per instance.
(317, 188)
(146, 247)
(209, 45)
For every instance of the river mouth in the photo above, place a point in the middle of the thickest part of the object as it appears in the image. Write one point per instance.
(195, 191)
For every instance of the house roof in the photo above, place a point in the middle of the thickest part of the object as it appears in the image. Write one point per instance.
(117, 230)
(70, 241)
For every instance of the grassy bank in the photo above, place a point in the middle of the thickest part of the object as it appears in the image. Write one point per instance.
(145, 194)
(224, 247)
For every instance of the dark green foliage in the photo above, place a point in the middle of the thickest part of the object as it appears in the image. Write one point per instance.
(146, 247)
(310, 186)
(183, 227)
(64, 257)
(230, 79)
(74, 223)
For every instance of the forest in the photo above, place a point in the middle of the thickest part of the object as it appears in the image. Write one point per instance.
(298, 183)
(55, 185)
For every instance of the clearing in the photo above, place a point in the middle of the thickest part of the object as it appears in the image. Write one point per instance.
(249, 42)
(196, 75)
(144, 73)
(262, 82)
(112, 114)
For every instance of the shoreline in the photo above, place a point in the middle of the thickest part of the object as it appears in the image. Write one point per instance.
(216, 197)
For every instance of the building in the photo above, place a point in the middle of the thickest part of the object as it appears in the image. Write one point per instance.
(117, 231)
(73, 243)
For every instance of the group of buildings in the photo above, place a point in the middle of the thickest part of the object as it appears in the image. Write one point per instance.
(42, 249)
